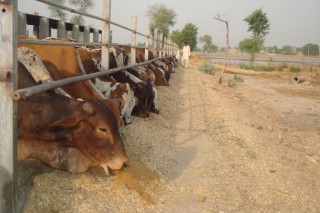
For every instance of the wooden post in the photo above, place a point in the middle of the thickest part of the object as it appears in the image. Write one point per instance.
(225, 63)
(133, 40)
(146, 50)
(44, 28)
(8, 110)
(106, 10)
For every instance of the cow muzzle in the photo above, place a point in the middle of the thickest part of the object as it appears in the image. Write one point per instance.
(115, 165)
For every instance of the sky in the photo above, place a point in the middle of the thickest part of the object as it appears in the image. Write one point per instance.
(292, 22)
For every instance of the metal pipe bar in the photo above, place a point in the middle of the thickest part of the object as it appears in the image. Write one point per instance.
(59, 43)
(27, 92)
(72, 10)
(89, 15)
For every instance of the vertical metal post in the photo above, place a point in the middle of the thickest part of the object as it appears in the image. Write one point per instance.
(165, 47)
(8, 110)
(44, 28)
(75, 32)
(160, 45)
(95, 35)
(106, 10)
(155, 41)
(36, 30)
(146, 50)
(22, 24)
(133, 40)
(86, 34)
(61, 31)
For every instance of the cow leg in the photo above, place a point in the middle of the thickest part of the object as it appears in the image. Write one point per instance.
(54, 155)
(155, 108)
(131, 103)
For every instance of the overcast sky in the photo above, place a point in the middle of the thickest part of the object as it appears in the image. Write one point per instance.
(292, 22)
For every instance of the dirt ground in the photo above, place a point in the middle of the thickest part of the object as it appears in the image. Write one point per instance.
(251, 148)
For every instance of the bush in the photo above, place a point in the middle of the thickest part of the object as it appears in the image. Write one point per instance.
(233, 82)
(238, 78)
(208, 68)
(295, 69)
(282, 66)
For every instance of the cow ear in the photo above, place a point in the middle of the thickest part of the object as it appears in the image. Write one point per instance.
(66, 122)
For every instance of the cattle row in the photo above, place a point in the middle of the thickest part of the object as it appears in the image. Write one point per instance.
(77, 126)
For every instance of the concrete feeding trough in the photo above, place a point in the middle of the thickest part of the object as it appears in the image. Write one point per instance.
(298, 79)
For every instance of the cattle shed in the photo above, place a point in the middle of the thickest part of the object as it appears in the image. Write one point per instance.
(16, 178)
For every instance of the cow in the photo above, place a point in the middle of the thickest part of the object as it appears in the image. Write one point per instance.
(109, 87)
(62, 62)
(66, 133)
(144, 91)
(161, 74)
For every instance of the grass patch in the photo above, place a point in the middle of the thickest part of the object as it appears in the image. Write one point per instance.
(208, 68)
(246, 66)
(266, 68)
(283, 66)
(295, 69)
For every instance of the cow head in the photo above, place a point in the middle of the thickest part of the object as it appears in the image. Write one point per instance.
(94, 131)
(91, 126)
(145, 99)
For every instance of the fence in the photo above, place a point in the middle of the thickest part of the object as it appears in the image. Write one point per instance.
(12, 22)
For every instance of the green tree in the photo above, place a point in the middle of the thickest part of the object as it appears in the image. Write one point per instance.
(310, 49)
(259, 26)
(56, 12)
(161, 18)
(287, 50)
(249, 45)
(188, 34)
(276, 49)
(206, 40)
(80, 5)
(174, 36)
(83, 6)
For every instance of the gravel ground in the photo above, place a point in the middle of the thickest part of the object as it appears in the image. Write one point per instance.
(212, 148)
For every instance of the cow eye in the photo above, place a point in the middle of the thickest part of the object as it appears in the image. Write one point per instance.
(103, 130)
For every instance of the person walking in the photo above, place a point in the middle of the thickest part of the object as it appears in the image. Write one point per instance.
(186, 53)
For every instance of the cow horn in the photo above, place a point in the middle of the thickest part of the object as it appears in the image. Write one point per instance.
(88, 108)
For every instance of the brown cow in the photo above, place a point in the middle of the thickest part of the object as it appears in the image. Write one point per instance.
(144, 91)
(159, 73)
(61, 62)
(68, 134)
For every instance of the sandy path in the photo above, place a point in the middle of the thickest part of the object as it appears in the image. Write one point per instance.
(211, 149)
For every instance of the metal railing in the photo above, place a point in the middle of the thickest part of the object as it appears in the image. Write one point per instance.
(12, 21)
